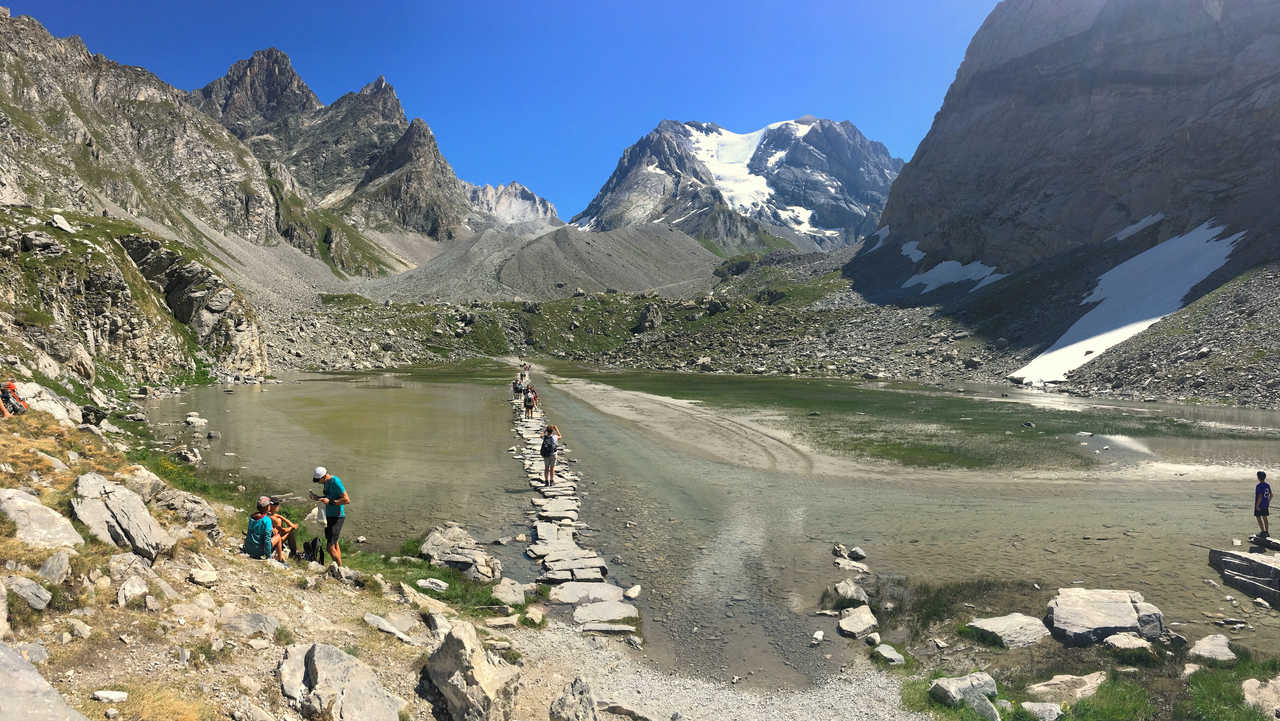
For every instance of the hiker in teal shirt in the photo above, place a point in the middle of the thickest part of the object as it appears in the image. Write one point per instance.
(259, 539)
(335, 500)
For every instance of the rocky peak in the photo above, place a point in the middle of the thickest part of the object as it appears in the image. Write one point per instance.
(416, 146)
(257, 94)
(511, 203)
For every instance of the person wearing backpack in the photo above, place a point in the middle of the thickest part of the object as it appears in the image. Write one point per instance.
(260, 540)
(550, 446)
(529, 399)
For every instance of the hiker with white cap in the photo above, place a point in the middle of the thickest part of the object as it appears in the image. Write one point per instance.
(335, 500)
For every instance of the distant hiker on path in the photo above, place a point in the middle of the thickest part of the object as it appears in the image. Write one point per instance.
(1262, 504)
(550, 446)
(517, 389)
(259, 539)
(529, 400)
(335, 500)
(10, 403)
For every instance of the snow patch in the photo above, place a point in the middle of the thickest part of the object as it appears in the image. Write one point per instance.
(1132, 297)
(880, 236)
(1138, 227)
(912, 251)
(726, 155)
(952, 271)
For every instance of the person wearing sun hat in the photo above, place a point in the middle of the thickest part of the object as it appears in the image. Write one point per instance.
(335, 500)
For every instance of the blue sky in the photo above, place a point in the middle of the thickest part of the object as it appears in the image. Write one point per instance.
(550, 92)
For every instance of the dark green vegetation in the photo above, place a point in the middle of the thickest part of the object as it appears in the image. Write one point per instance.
(1215, 693)
(913, 426)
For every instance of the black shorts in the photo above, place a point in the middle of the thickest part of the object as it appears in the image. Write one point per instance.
(1262, 512)
(333, 529)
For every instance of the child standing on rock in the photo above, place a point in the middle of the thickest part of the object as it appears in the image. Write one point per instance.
(1262, 504)
(550, 446)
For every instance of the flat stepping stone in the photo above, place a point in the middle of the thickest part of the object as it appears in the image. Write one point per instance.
(1213, 648)
(576, 592)
(604, 612)
(607, 628)
(857, 622)
(1016, 630)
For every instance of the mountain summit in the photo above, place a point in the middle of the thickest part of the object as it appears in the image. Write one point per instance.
(814, 183)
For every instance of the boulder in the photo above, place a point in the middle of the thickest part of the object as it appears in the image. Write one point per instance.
(27, 695)
(5, 631)
(193, 509)
(325, 683)
(1016, 630)
(1128, 642)
(580, 592)
(509, 592)
(1264, 695)
(38, 525)
(888, 654)
(248, 625)
(33, 593)
(123, 565)
(117, 515)
(133, 589)
(39, 398)
(1213, 648)
(56, 568)
(982, 706)
(845, 594)
(1066, 688)
(577, 703)
(857, 622)
(453, 547)
(1043, 711)
(604, 612)
(1083, 616)
(385, 626)
(474, 687)
(141, 481)
(953, 691)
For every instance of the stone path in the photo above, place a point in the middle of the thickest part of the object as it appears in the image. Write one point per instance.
(554, 540)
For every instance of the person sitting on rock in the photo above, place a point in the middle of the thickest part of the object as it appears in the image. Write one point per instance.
(284, 529)
(550, 445)
(260, 539)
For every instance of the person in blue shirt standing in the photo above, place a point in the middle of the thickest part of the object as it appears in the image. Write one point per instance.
(259, 540)
(335, 500)
(1262, 504)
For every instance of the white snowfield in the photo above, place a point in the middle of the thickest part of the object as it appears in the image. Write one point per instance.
(1131, 297)
(947, 272)
(727, 154)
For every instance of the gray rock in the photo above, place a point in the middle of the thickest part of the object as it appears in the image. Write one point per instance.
(1015, 630)
(27, 696)
(604, 612)
(952, 691)
(108, 696)
(38, 525)
(509, 592)
(327, 683)
(1043, 711)
(59, 222)
(131, 590)
(33, 593)
(453, 547)
(1068, 689)
(203, 577)
(888, 654)
(56, 568)
(982, 706)
(432, 584)
(845, 594)
(1213, 648)
(5, 631)
(1265, 695)
(250, 624)
(474, 687)
(579, 592)
(387, 627)
(577, 703)
(857, 622)
(35, 653)
(1128, 642)
(1082, 616)
(117, 515)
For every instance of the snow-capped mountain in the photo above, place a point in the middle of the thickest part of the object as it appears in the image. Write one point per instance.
(815, 183)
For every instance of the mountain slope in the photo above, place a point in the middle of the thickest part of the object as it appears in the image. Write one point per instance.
(812, 183)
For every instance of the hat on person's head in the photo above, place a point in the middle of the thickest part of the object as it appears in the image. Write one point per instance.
(263, 502)
(321, 472)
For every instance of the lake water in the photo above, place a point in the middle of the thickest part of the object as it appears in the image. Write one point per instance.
(733, 560)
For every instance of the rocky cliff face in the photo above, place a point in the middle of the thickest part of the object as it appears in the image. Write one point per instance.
(512, 203)
(1070, 122)
(816, 184)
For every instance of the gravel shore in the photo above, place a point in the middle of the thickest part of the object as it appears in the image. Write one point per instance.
(859, 692)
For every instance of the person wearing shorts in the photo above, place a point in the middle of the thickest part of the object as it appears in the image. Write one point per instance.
(335, 500)
(1262, 505)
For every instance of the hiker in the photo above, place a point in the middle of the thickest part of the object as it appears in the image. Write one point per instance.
(517, 389)
(550, 446)
(335, 500)
(1262, 504)
(284, 529)
(259, 539)
(10, 403)
(529, 401)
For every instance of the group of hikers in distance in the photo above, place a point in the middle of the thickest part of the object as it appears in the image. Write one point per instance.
(522, 390)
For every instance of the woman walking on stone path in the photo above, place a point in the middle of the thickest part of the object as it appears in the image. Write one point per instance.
(529, 400)
(550, 446)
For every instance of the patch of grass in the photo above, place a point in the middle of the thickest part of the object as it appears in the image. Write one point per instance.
(1117, 699)
(345, 300)
(1214, 694)
(163, 702)
(352, 650)
(284, 636)
(929, 603)
(915, 697)
(464, 594)
(20, 614)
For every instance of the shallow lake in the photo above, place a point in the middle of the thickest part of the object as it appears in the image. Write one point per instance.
(733, 560)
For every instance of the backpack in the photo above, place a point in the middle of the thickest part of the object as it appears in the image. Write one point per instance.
(548, 445)
(528, 400)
